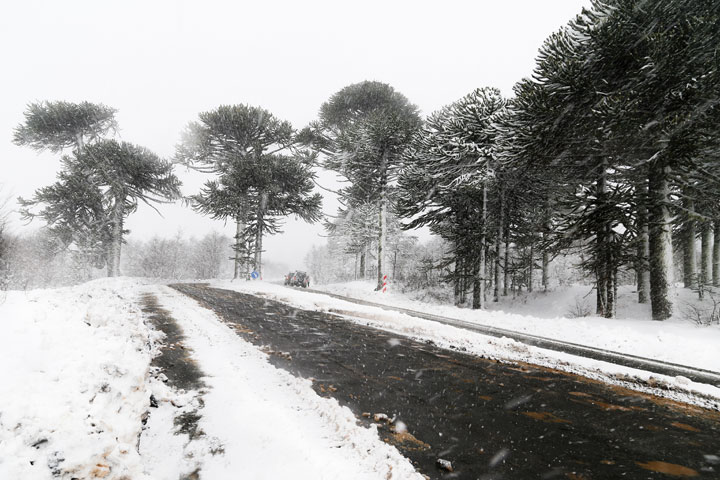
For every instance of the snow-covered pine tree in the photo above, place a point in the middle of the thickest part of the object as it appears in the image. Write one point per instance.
(97, 189)
(446, 180)
(363, 130)
(665, 95)
(57, 126)
(260, 175)
(126, 174)
(75, 212)
(73, 205)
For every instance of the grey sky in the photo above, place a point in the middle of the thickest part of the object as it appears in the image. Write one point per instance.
(160, 63)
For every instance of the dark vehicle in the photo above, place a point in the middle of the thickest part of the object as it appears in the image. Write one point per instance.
(297, 279)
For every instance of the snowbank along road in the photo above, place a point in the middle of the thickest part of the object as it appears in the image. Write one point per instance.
(633, 361)
(461, 416)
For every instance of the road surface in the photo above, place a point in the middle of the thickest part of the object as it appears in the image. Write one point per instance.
(489, 420)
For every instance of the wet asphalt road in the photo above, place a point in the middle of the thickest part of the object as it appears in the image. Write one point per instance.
(491, 420)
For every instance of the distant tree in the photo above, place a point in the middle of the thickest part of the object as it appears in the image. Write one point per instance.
(4, 242)
(208, 255)
(363, 130)
(260, 177)
(355, 229)
(56, 126)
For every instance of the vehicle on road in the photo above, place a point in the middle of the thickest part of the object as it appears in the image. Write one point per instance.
(297, 279)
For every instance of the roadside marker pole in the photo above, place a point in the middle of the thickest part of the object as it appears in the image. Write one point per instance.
(384, 283)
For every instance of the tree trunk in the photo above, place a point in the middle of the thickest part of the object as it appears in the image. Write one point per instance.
(689, 252)
(660, 239)
(394, 264)
(239, 227)
(259, 234)
(457, 282)
(79, 142)
(362, 265)
(498, 248)
(355, 271)
(602, 238)
(716, 254)
(531, 265)
(612, 294)
(545, 259)
(116, 246)
(601, 288)
(706, 267)
(506, 269)
(477, 285)
(643, 246)
(479, 276)
(383, 219)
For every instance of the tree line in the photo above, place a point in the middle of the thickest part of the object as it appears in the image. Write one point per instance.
(609, 150)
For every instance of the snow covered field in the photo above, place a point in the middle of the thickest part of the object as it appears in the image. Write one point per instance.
(76, 381)
(674, 341)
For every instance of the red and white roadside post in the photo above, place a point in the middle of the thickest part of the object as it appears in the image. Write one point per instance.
(385, 282)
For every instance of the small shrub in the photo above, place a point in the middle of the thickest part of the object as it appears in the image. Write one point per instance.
(704, 314)
(580, 309)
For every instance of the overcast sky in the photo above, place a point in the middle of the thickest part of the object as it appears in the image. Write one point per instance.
(160, 63)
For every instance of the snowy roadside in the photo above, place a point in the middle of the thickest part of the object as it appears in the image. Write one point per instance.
(73, 381)
(80, 399)
(633, 332)
(503, 349)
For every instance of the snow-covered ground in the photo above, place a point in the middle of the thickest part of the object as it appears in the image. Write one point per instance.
(76, 381)
(677, 340)
(73, 381)
(674, 341)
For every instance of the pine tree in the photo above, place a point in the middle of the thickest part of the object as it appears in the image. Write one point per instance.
(363, 130)
(74, 210)
(261, 177)
(98, 188)
(446, 179)
(57, 126)
(101, 182)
